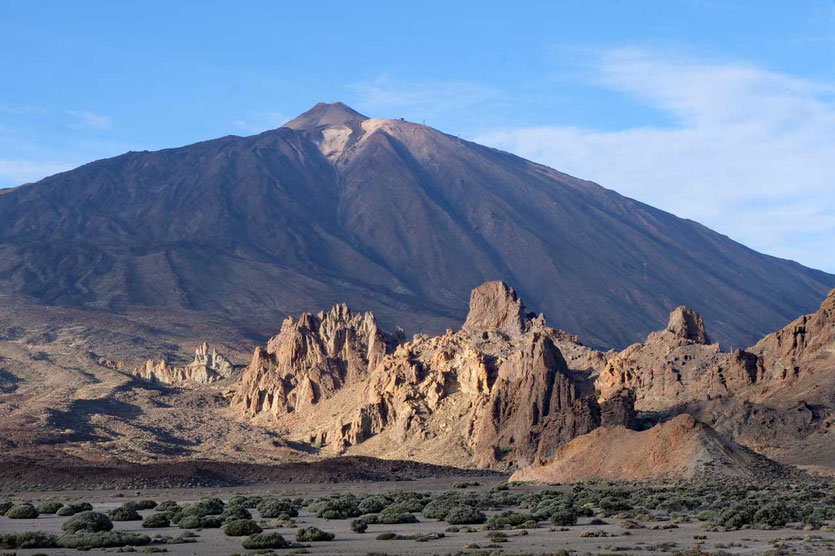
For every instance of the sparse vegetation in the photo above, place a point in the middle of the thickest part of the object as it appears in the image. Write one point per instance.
(48, 508)
(313, 534)
(264, 541)
(125, 512)
(108, 539)
(274, 508)
(156, 521)
(90, 522)
(465, 515)
(22, 511)
(241, 528)
(30, 539)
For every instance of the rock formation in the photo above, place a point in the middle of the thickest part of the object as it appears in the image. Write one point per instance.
(682, 448)
(678, 365)
(310, 359)
(206, 368)
(498, 393)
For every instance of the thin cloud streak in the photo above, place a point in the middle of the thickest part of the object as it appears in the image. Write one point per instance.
(749, 155)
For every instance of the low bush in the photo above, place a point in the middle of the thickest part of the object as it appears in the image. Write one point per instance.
(372, 504)
(337, 507)
(252, 502)
(102, 539)
(49, 507)
(89, 522)
(146, 505)
(564, 517)
(313, 534)
(167, 506)
(190, 522)
(207, 506)
(241, 528)
(436, 509)
(22, 511)
(264, 541)
(386, 536)
(31, 539)
(65, 511)
(272, 508)
(156, 521)
(125, 513)
(78, 507)
(396, 514)
(234, 513)
(5, 507)
(359, 526)
(211, 521)
(510, 519)
(465, 515)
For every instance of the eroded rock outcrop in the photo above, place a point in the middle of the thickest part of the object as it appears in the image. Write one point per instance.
(678, 365)
(492, 394)
(206, 368)
(309, 360)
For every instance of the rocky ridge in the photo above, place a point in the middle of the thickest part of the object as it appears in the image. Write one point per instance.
(498, 393)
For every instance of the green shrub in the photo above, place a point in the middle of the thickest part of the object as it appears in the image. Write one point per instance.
(190, 522)
(775, 514)
(146, 505)
(22, 511)
(436, 509)
(736, 516)
(395, 514)
(313, 534)
(207, 506)
(564, 517)
(102, 539)
(30, 539)
(241, 528)
(359, 526)
(78, 507)
(125, 513)
(252, 502)
(234, 513)
(237, 500)
(263, 541)
(705, 515)
(509, 519)
(337, 507)
(49, 507)
(612, 504)
(386, 536)
(89, 522)
(465, 515)
(211, 521)
(156, 521)
(272, 507)
(167, 506)
(372, 504)
(5, 507)
(66, 511)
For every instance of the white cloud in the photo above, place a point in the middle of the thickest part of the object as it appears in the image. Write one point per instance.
(750, 154)
(92, 120)
(420, 98)
(17, 172)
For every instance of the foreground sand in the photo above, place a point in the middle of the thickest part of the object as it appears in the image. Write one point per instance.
(543, 540)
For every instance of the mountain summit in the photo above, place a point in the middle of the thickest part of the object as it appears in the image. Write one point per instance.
(386, 215)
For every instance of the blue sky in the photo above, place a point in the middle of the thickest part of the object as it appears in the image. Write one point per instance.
(723, 112)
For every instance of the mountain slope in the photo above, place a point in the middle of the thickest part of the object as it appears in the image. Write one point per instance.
(385, 215)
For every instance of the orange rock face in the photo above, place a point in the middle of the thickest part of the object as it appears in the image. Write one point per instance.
(497, 393)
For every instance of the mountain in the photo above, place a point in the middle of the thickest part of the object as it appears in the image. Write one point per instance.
(386, 215)
(682, 448)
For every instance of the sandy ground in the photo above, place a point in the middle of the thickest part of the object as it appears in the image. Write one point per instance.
(543, 540)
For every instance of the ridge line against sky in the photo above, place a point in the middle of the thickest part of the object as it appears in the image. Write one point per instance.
(723, 113)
